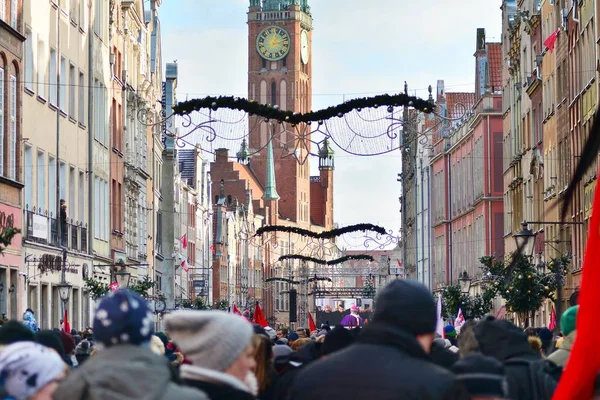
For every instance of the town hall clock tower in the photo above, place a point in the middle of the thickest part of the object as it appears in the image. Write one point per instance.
(280, 74)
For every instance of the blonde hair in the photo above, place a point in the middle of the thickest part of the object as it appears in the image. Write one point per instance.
(262, 356)
(157, 346)
(297, 344)
(535, 343)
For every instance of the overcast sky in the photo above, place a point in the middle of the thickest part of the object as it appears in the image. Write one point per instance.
(360, 48)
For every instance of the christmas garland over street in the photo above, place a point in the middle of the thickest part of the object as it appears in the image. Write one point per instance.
(323, 262)
(321, 235)
(274, 113)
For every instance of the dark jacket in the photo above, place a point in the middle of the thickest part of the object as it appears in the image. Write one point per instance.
(216, 391)
(443, 357)
(385, 363)
(507, 343)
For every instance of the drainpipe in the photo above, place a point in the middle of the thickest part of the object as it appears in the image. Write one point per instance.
(430, 230)
(422, 224)
(450, 250)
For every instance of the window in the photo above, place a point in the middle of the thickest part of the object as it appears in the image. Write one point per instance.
(29, 60)
(2, 122)
(3, 9)
(12, 109)
(52, 184)
(82, 14)
(13, 14)
(28, 179)
(63, 84)
(62, 184)
(273, 93)
(41, 180)
(97, 207)
(82, 196)
(71, 200)
(40, 75)
(99, 18)
(52, 78)
(81, 98)
(74, 13)
(72, 85)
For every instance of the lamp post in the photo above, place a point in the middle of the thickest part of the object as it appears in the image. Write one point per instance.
(525, 240)
(122, 276)
(464, 282)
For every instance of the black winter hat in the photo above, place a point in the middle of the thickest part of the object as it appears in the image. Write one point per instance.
(52, 340)
(337, 339)
(14, 331)
(482, 376)
(406, 305)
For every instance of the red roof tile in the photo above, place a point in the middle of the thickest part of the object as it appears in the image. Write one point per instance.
(495, 65)
(459, 103)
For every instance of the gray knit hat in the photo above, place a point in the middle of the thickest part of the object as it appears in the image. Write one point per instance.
(210, 339)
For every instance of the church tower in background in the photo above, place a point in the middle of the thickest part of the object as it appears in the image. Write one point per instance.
(280, 74)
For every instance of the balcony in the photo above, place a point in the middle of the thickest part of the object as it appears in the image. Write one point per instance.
(42, 228)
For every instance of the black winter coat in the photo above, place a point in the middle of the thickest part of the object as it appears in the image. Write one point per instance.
(385, 364)
(217, 391)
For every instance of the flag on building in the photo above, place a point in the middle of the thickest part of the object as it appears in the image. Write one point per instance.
(184, 241)
(311, 323)
(259, 316)
(552, 324)
(460, 320)
(66, 325)
(551, 40)
(439, 328)
(185, 266)
(577, 381)
(236, 311)
(212, 248)
(114, 286)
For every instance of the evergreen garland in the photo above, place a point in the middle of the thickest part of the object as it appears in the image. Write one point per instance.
(95, 288)
(369, 290)
(6, 236)
(323, 262)
(321, 235)
(274, 113)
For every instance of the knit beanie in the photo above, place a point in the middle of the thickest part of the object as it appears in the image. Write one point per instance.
(50, 339)
(407, 305)
(545, 335)
(83, 351)
(68, 342)
(568, 320)
(210, 339)
(482, 376)
(338, 339)
(123, 318)
(14, 331)
(450, 331)
(26, 367)
(281, 350)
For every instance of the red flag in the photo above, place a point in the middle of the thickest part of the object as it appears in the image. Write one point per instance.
(236, 311)
(552, 324)
(184, 241)
(577, 380)
(185, 266)
(114, 287)
(66, 324)
(212, 248)
(259, 316)
(311, 323)
(551, 40)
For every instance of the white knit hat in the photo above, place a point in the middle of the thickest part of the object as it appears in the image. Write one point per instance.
(210, 339)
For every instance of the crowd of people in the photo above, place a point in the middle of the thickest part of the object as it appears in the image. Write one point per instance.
(218, 355)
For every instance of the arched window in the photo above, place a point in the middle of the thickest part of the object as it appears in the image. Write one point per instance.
(274, 93)
(3, 138)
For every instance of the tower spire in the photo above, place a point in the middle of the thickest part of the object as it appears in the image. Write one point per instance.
(270, 186)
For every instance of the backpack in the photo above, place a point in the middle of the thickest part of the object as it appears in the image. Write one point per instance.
(543, 376)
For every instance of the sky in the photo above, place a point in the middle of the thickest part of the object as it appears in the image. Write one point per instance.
(360, 48)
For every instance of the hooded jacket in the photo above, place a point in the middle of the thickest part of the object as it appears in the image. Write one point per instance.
(30, 322)
(124, 372)
(385, 363)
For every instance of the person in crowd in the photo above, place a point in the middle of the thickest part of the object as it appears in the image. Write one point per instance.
(293, 336)
(467, 342)
(531, 331)
(298, 344)
(390, 359)
(525, 370)
(450, 334)
(219, 347)
(442, 355)
(325, 327)
(536, 344)
(353, 319)
(567, 324)
(482, 376)
(547, 339)
(157, 346)
(68, 343)
(83, 351)
(284, 333)
(15, 331)
(53, 340)
(29, 320)
(297, 360)
(30, 371)
(271, 333)
(265, 372)
(327, 309)
(337, 339)
(301, 332)
(76, 336)
(124, 368)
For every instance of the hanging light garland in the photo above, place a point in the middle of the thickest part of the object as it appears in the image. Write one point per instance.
(324, 262)
(321, 235)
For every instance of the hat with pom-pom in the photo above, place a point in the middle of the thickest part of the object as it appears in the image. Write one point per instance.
(123, 318)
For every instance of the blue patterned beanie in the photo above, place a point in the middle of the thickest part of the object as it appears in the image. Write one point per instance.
(123, 317)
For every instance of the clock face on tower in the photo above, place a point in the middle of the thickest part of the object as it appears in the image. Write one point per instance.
(304, 50)
(273, 43)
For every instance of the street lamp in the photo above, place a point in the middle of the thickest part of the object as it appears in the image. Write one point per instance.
(64, 290)
(465, 282)
(525, 240)
(122, 276)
